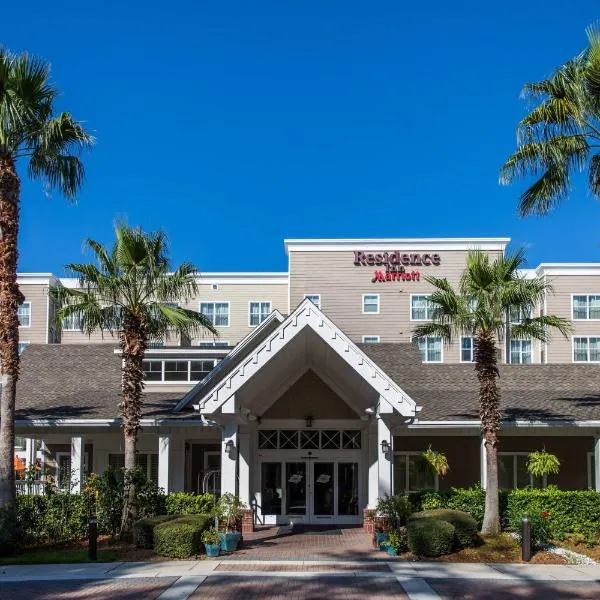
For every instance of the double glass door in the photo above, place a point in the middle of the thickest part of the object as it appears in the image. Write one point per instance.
(311, 491)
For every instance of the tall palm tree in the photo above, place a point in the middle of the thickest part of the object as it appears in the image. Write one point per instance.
(132, 292)
(50, 144)
(487, 292)
(561, 135)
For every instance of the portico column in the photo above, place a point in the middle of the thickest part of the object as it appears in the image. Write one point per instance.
(229, 452)
(77, 455)
(597, 462)
(373, 467)
(164, 457)
(244, 468)
(29, 452)
(385, 459)
(483, 463)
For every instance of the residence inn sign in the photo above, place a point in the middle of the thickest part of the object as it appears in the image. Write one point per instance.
(394, 264)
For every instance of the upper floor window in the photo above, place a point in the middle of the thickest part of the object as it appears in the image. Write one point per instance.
(421, 309)
(258, 312)
(370, 339)
(520, 352)
(24, 314)
(586, 307)
(370, 303)
(72, 322)
(430, 348)
(173, 370)
(586, 349)
(467, 349)
(216, 312)
(314, 298)
(518, 314)
(213, 344)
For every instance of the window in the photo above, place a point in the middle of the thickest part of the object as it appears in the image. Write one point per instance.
(22, 346)
(216, 312)
(314, 298)
(370, 339)
(177, 371)
(156, 343)
(421, 309)
(219, 344)
(310, 439)
(467, 349)
(586, 307)
(147, 462)
(72, 322)
(24, 314)
(370, 303)
(586, 349)
(520, 352)
(517, 314)
(512, 472)
(413, 473)
(430, 348)
(63, 469)
(20, 443)
(258, 312)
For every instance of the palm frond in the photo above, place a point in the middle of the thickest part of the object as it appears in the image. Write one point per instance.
(539, 328)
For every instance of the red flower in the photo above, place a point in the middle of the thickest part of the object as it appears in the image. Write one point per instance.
(544, 514)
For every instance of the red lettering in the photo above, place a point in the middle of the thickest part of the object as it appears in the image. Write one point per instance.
(378, 276)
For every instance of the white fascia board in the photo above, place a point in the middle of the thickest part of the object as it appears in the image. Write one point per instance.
(37, 279)
(385, 244)
(104, 422)
(183, 351)
(418, 424)
(308, 315)
(582, 269)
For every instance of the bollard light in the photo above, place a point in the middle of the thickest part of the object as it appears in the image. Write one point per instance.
(93, 540)
(526, 539)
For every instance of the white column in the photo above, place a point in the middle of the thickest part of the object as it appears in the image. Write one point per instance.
(77, 455)
(229, 452)
(164, 457)
(244, 468)
(597, 462)
(483, 464)
(373, 456)
(384, 460)
(29, 452)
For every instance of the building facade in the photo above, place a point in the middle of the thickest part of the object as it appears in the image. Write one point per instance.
(315, 399)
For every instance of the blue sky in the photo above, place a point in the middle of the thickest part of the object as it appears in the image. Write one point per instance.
(233, 125)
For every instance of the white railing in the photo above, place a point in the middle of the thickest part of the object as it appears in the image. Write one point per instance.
(211, 483)
(36, 488)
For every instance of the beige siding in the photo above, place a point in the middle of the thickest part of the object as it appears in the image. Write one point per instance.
(342, 284)
(37, 294)
(560, 350)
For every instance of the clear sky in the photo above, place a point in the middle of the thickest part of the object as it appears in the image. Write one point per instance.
(232, 125)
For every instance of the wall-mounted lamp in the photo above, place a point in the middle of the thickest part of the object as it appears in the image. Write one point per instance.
(309, 421)
(229, 446)
(370, 410)
(385, 446)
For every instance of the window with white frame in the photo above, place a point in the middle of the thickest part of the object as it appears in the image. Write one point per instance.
(413, 473)
(512, 472)
(370, 339)
(586, 307)
(430, 348)
(520, 352)
(64, 469)
(421, 308)
(586, 349)
(314, 298)
(258, 312)
(370, 303)
(72, 322)
(177, 370)
(216, 312)
(517, 314)
(147, 462)
(213, 344)
(24, 314)
(22, 346)
(467, 349)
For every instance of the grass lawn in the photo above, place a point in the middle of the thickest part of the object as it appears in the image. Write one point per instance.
(36, 556)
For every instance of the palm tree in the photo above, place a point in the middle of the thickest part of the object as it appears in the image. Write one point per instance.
(561, 135)
(487, 292)
(132, 293)
(50, 144)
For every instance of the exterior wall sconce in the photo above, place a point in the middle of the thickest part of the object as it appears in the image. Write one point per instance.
(229, 446)
(385, 446)
(309, 421)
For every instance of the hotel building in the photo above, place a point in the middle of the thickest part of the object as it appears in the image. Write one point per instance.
(315, 399)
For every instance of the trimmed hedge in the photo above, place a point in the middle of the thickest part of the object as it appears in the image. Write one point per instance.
(430, 537)
(464, 525)
(180, 537)
(143, 530)
(182, 503)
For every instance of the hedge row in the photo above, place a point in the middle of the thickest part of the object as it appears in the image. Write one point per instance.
(180, 537)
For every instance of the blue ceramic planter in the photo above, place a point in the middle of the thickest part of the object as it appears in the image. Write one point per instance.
(392, 551)
(229, 541)
(212, 550)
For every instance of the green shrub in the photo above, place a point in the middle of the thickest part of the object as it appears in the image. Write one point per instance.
(430, 537)
(540, 531)
(182, 503)
(464, 525)
(181, 537)
(398, 539)
(143, 530)
(395, 509)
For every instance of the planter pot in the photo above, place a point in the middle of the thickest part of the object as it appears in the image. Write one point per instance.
(212, 550)
(229, 541)
(380, 538)
(383, 546)
(392, 551)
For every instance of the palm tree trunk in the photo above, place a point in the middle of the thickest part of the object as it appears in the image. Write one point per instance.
(133, 342)
(486, 366)
(10, 296)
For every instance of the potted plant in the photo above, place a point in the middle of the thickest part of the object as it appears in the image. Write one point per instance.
(229, 511)
(212, 542)
(396, 542)
(380, 537)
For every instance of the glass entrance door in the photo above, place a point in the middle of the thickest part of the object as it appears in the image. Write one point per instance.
(295, 488)
(322, 497)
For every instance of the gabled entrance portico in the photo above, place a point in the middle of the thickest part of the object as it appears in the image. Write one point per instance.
(305, 418)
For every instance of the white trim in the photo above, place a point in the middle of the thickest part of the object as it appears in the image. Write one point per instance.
(415, 339)
(319, 306)
(386, 244)
(410, 308)
(30, 314)
(201, 302)
(160, 422)
(587, 295)
(590, 479)
(374, 337)
(370, 312)
(47, 279)
(260, 303)
(460, 349)
(183, 351)
(578, 269)
(583, 362)
(558, 423)
(48, 317)
(520, 342)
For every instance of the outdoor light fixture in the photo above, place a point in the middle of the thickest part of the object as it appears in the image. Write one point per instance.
(309, 421)
(370, 410)
(385, 446)
(229, 446)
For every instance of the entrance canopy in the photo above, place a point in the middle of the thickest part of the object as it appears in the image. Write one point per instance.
(278, 357)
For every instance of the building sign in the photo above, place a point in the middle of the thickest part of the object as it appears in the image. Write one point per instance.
(393, 264)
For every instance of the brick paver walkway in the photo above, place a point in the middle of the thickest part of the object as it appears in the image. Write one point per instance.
(302, 568)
